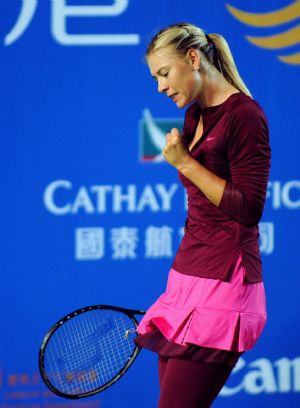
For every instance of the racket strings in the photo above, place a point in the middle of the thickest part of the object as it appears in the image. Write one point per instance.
(89, 350)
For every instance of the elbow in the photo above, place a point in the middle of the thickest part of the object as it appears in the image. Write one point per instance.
(250, 221)
(239, 207)
(251, 215)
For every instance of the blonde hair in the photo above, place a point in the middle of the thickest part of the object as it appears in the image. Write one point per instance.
(183, 36)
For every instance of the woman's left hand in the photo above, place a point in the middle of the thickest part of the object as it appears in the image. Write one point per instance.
(174, 152)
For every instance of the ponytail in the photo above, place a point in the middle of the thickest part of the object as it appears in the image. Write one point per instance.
(226, 64)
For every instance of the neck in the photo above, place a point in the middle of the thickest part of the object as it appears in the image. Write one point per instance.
(215, 89)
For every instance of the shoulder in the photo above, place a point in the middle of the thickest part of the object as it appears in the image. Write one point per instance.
(247, 124)
(243, 108)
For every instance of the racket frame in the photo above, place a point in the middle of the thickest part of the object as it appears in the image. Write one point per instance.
(129, 312)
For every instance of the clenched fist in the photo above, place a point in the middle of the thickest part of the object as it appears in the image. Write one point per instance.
(174, 152)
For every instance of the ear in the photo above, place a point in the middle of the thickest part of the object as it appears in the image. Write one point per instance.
(194, 58)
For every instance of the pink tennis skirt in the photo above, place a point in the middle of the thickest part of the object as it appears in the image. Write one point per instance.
(209, 312)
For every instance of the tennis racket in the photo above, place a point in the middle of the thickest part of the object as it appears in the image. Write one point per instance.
(89, 350)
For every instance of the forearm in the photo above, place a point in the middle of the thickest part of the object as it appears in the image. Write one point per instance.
(221, 193)
(235, 204)
(211, 185)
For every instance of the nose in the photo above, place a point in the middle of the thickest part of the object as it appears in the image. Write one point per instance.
(162, 85)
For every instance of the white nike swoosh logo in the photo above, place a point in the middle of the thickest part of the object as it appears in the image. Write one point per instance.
(210, 138)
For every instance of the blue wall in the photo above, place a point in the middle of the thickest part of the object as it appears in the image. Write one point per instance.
(90, 215)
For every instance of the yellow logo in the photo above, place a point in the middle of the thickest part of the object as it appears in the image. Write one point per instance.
(286, 38)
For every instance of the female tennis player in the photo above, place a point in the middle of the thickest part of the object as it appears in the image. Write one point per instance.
(214, 307)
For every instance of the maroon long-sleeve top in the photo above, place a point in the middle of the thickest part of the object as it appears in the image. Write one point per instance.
(234, 146)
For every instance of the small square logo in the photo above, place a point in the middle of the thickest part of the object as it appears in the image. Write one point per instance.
(89, 243)
(153, 134)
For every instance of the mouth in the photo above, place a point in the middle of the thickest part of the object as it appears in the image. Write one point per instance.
(173, 96)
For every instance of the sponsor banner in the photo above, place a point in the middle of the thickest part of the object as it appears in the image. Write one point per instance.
(90, 211)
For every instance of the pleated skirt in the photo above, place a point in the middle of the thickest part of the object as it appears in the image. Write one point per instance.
(205, 318)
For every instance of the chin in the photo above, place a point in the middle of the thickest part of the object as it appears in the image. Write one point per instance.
(184, 102)
(181, 105)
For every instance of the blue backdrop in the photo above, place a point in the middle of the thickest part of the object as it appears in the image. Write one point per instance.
(89, 212)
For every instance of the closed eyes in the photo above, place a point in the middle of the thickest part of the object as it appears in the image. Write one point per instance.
(164, 75)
